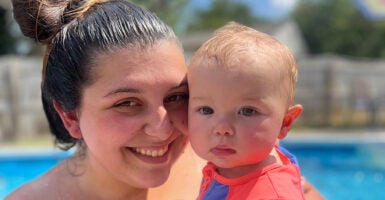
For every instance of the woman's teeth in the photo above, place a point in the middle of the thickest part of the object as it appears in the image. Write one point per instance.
(152, 152)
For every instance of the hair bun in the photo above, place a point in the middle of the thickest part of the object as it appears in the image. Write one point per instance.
(70, 10)
(39, 19)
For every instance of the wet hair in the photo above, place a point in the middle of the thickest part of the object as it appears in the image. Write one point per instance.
(234, 40)
(75, 32)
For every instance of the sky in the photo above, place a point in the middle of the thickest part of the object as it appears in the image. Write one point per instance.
(267, 9)
(272, 9)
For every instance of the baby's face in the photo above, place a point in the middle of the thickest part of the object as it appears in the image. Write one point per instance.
(235, 113)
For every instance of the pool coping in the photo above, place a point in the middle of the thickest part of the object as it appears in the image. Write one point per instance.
(31, 153)
(320, 136)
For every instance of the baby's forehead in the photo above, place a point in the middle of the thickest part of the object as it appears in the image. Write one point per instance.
(240, 61)
(248, 70)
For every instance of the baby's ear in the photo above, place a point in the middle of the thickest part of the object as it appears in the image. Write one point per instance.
(291, 115)
(70, 121)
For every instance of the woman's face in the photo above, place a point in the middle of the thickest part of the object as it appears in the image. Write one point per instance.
(134, 115)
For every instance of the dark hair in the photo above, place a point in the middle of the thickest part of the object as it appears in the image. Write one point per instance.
(74, 32)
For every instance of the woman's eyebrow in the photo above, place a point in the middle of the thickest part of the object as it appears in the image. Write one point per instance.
(122, 90)
(182, 84)
(132, 90)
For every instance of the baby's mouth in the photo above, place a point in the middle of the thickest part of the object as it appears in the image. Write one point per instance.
(153, 151)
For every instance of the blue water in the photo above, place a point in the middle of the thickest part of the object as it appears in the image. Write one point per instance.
(353, 170)
(17, 168)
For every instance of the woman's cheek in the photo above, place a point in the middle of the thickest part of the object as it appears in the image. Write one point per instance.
(179, 119)
(121, 126)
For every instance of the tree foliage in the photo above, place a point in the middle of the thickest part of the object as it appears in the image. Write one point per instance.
(167, 10)
(7, 41)
(337, 26)
(221, 12)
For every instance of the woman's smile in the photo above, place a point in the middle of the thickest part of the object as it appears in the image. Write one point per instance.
(153, 154)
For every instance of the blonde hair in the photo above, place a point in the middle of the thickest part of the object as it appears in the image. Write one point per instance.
(234, 39)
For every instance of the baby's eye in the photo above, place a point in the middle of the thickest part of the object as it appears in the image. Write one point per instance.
(247, 111)
(206, 110)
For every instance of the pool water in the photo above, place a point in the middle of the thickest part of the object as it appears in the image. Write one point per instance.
(348, 170)
(351, 170)
(17, 168)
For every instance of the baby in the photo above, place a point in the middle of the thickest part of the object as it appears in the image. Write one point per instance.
(242, 84)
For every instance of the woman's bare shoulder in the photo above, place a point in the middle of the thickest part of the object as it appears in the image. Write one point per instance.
(30, 191)
(43, 187)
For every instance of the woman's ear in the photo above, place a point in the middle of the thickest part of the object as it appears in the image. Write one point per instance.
(70, 121)
(291, 115)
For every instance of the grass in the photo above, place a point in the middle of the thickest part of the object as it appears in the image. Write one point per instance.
(35, 141)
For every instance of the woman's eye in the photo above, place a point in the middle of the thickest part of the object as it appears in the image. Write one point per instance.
(176, 98)
(128, 104)
(206, 110)
(129, 107)
(246, 111)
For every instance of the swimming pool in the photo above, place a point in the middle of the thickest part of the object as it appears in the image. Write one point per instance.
(340, 169)
(343, 169)
(21, 166)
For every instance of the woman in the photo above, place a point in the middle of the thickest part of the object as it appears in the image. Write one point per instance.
(113, 85)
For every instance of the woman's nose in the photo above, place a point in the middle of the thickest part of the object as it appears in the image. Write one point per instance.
(224, 128)
(159, 124)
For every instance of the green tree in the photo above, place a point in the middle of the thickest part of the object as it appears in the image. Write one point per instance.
(167, 10)
(221, 12)
(7, 41)
(337, 26)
